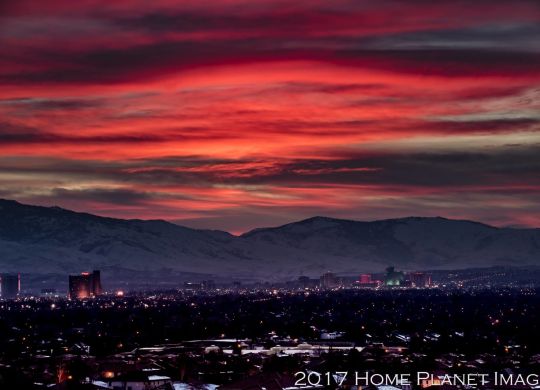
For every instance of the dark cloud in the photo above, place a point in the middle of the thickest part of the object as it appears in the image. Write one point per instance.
(165, 58)
(502, 35)
(495, 167)
(431, 41)
(40, 104)
(19, 133)
(502, 125)
(11, 133)
(111, 196)
(213, 21)
(499, 167)
(444, 62)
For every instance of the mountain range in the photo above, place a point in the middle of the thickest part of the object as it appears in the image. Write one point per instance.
(52, 240)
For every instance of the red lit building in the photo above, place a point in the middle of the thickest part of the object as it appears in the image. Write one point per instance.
(365, 279)
(85, 285)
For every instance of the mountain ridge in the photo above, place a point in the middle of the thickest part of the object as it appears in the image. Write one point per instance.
(321, 217)
(54, 240)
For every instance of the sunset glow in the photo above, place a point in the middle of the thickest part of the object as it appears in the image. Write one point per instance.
(232, 114)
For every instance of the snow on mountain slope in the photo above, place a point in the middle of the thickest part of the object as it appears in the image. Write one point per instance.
(68, 240)
(53, 240)
(412, 242)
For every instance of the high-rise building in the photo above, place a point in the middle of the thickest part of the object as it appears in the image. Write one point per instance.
(10, 286)
(96, 278)
(394, 278)
(306, 282)
(208, 285)
(80, 286)
(85, 285)
(329, 280)
(420, 279)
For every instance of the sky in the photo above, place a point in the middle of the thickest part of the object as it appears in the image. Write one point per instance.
(235, 114)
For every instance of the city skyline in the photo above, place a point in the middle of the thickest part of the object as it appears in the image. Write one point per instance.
(234, 114)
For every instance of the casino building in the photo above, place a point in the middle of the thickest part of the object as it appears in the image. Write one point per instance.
(85, 285)
(10, 286)
(394, 278)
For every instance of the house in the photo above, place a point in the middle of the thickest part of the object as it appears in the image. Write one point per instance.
(139, 380)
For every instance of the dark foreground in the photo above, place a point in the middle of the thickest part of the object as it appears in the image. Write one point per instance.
(255, 339)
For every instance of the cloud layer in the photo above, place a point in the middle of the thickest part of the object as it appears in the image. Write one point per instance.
(233, 114)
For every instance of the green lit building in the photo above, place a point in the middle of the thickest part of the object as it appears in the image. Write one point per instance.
(394, 278)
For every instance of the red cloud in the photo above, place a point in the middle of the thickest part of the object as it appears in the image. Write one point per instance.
(253, 99)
